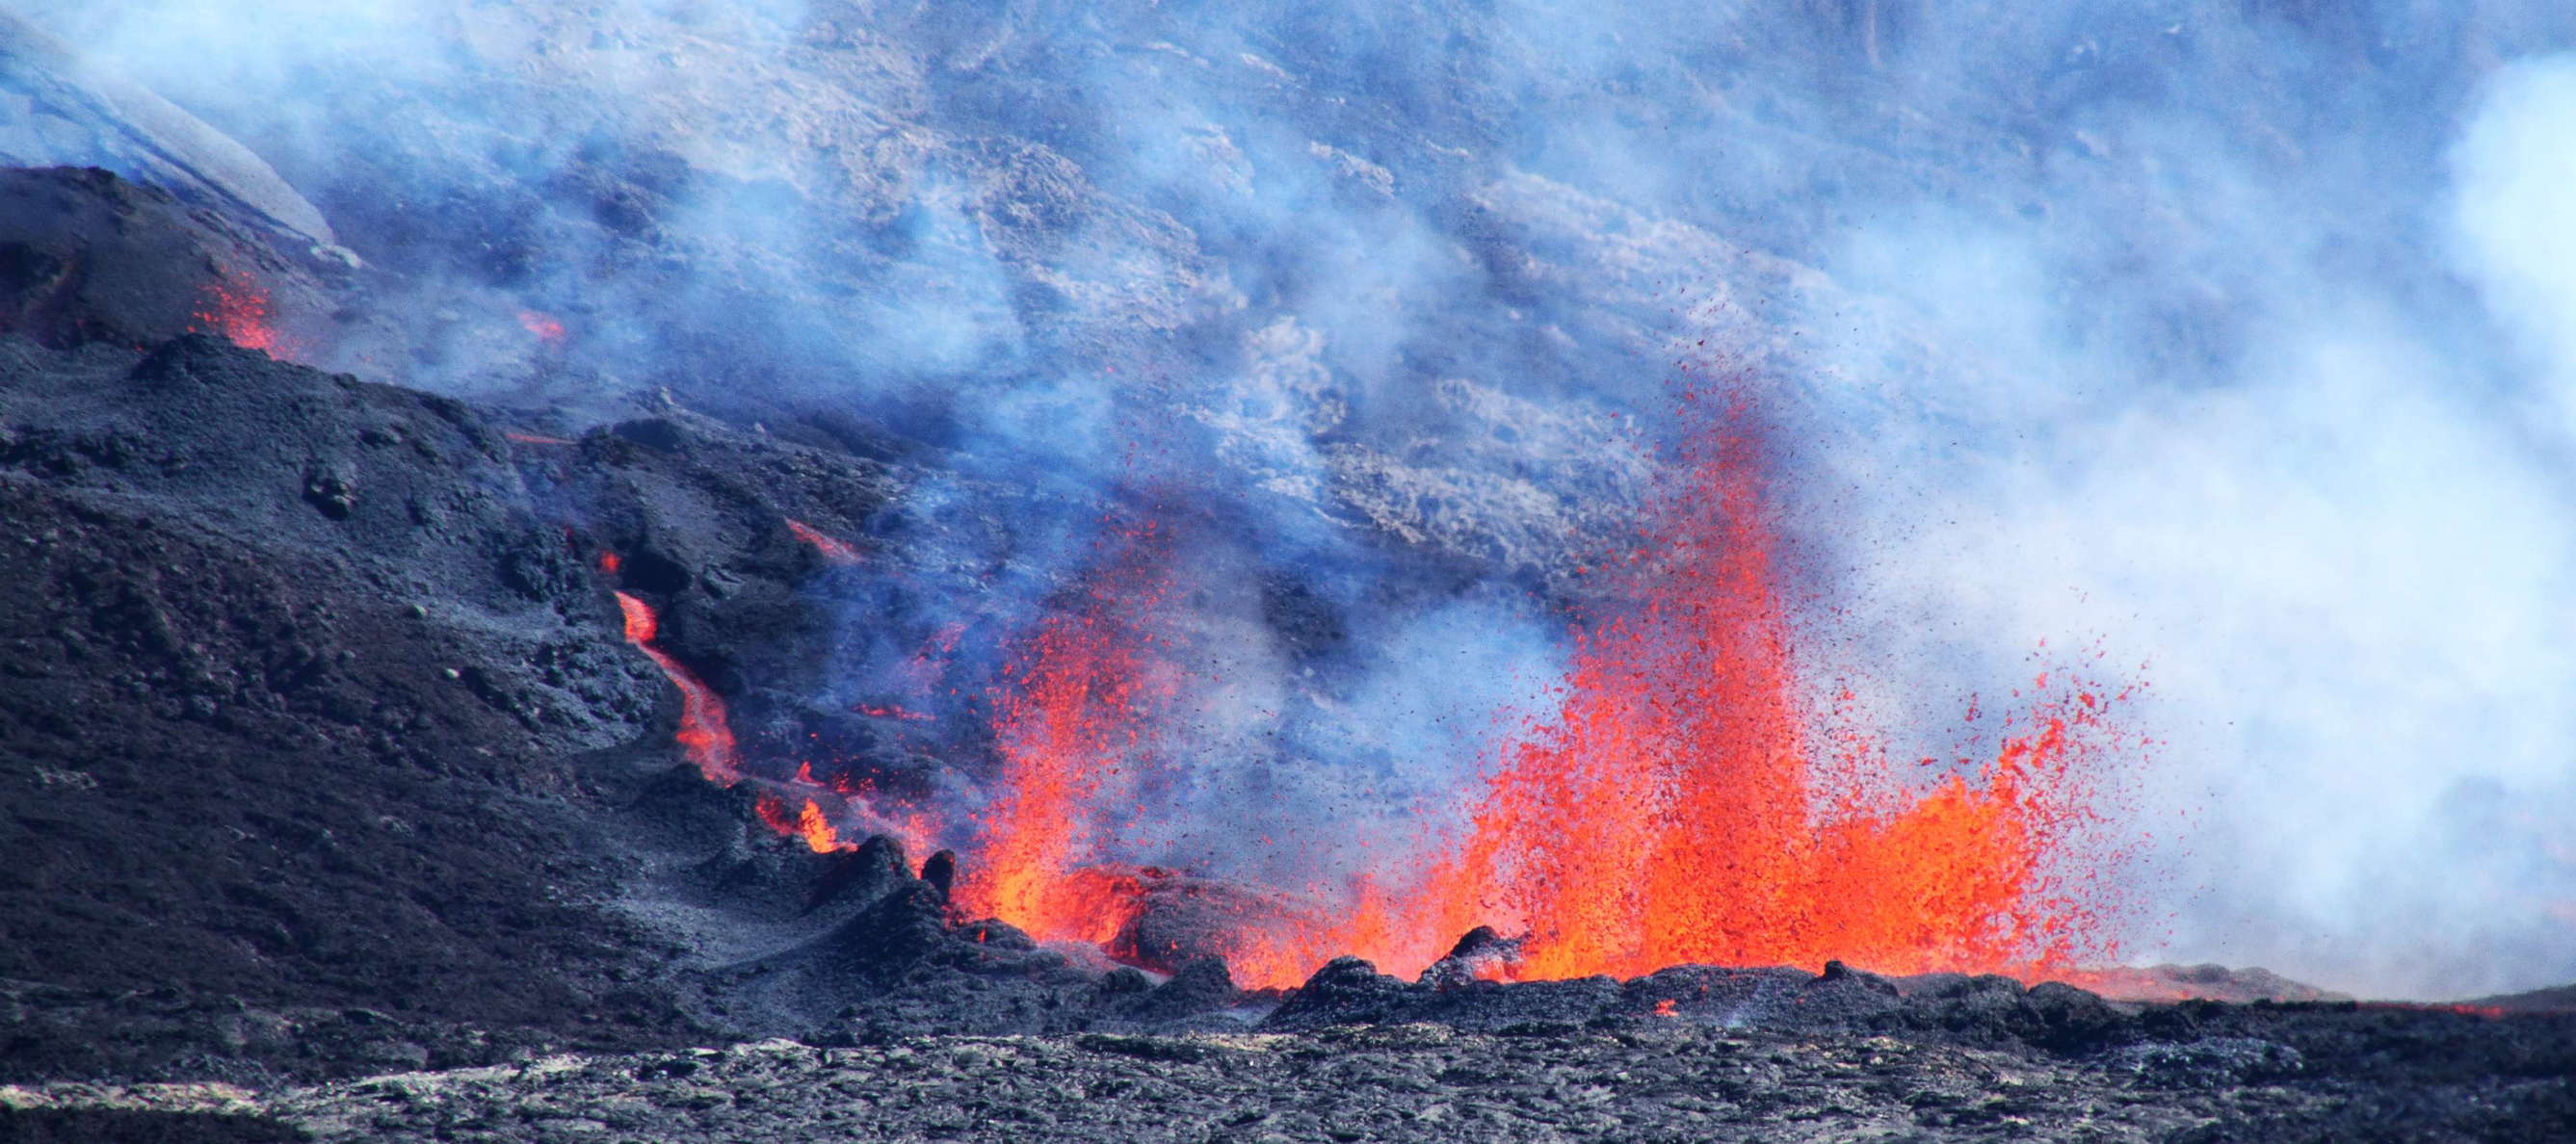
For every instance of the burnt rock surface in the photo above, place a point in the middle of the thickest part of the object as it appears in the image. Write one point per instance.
(290, 697)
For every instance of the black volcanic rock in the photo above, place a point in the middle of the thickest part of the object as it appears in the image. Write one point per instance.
(87, 257)
(302, 762)
(1346, 991)
(1477, 951)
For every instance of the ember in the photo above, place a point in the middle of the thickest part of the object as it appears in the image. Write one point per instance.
(547, 328)
(238, 311)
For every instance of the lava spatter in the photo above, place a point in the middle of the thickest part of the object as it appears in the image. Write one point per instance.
(1676, 807)
(238, 311)
(1069, 720)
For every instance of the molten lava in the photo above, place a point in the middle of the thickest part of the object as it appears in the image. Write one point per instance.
(704, 734)
(834, 551)
(1680, 798)
(237, 311)
(808, 823)
(1676, 807)
(1068, 724)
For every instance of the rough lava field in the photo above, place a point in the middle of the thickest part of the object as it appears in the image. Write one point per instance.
(674, 571)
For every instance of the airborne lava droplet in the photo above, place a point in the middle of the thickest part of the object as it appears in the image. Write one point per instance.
(238, 311)
(549, 330)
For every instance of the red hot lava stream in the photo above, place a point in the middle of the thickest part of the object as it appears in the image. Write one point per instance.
(704, 733)
(832, 550)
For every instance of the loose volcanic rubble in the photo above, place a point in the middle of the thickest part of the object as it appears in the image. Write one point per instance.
(1676, 1079)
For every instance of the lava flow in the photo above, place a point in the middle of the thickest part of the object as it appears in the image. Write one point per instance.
(833, 551)
(704, 734)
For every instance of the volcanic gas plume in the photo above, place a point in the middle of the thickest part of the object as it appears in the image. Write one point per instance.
(1681, 796)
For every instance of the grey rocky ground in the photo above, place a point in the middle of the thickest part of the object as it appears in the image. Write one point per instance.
(1680, 1082)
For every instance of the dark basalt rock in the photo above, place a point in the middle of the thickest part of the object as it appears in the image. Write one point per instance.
(1346, 991)
(87, 257)
(1478, 951)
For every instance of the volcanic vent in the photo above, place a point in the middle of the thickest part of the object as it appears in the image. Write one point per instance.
(1684, 793)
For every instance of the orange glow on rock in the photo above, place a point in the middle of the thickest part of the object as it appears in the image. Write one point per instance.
(704, 733)
(834, 551)
(238, 311)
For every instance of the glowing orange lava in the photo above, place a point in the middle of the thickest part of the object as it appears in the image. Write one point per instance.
(533, 439)
(1067, 723)
(833, 550)
(817, 833)
(1677, 809)
(238, 311)
(704, 734)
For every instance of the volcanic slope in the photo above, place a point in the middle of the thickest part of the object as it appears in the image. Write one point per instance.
(327, 757)
(291, 698)
(330, 760)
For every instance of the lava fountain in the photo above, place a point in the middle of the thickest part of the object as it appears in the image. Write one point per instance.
(1678, 805)
(1681, 796)
(1069, 725)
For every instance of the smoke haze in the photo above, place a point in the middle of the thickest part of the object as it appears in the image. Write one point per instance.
(2232, 342)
